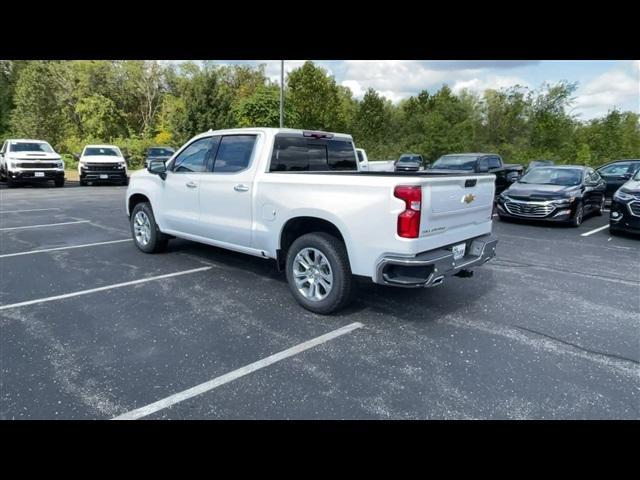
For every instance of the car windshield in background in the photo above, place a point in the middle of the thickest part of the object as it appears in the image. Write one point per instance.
(31, 147)
(455, 162)
(111, 152)
(160, 152)
(553, 176)
(408, 160)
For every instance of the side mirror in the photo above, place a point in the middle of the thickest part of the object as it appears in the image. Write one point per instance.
(627, 176)
(158, 167)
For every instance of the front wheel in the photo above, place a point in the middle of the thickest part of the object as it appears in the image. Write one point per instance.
(599, 210)
(576, 221)
(144, 229)
(318, 273)
(59, 182)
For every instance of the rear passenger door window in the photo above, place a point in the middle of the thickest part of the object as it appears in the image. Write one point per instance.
(234, 153)
(194, 157)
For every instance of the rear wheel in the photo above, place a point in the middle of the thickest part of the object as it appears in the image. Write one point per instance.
(144, 229)
(318, 273)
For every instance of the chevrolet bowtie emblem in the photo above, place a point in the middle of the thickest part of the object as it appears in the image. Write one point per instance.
(470, 197)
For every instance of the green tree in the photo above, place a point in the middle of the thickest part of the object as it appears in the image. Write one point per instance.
(100, 117)
(37, 112)
(314, 97)
(262, 109)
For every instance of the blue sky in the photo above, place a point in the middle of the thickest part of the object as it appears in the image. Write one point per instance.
(602, 85)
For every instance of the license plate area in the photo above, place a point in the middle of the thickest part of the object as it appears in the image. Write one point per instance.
(38, 174)
(459, 251)
(104, 176)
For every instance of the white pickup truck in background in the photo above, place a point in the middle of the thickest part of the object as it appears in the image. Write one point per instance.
(297, 197)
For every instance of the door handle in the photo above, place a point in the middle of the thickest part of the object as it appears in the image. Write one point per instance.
(191, 185)
(241, 188)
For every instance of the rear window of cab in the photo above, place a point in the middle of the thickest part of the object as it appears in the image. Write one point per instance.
(301, 154)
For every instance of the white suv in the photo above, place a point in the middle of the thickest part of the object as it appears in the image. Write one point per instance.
(26, 161)
(102, 163)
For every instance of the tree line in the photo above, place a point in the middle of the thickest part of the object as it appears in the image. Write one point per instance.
(136, 104)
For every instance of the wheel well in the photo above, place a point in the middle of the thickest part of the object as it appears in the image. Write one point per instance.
(135, 199)
(296, 227)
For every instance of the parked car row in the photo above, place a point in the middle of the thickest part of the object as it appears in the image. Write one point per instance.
(35, 161)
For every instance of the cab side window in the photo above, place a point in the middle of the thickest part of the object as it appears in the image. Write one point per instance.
(234, 153)
(494, 162)
(194, 157)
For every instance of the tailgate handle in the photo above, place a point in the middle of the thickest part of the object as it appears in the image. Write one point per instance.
(470, 183)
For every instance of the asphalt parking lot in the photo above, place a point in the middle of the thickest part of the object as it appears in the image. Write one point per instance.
(549, 329)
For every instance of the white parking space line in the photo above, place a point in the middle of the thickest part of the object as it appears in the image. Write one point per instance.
(32, 210)
(64, 248)
(44, 225)
(595, 230)
(101, 289)
(235, 374)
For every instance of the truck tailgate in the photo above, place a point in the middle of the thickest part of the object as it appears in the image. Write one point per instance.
(456, 202)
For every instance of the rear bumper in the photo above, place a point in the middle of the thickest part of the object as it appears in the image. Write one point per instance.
(428, 269)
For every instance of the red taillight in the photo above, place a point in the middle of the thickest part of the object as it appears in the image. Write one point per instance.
(409, 220)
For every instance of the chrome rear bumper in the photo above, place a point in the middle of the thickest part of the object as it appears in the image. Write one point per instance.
(428, 269)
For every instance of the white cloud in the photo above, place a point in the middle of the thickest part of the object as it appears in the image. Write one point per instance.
(617, 88)
(495, 82)
(398, 79)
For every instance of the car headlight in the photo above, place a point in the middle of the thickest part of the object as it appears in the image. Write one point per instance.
(564, 201)
(622, 196)
(122, 164)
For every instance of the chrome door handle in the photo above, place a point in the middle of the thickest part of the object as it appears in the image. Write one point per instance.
(241, 188)
(191, 185)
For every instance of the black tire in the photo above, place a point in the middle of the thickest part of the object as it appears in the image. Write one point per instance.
(334, 251)
(576, 221)
(59, 182)
(11, 183)
(157, 240)
(504, 218)
(599, 211)
(83, 182)
(613, 230)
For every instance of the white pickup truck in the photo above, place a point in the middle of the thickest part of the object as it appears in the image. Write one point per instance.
(25, 161)
(297, 197)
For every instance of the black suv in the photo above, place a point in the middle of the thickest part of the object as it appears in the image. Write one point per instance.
(158, 153)
(625, 207)
(617, 173)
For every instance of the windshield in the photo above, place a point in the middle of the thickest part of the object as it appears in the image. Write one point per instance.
(90, 151)
(456, 162)
(408, 159)
(553, 176)
(160, 152)
(31, 147)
